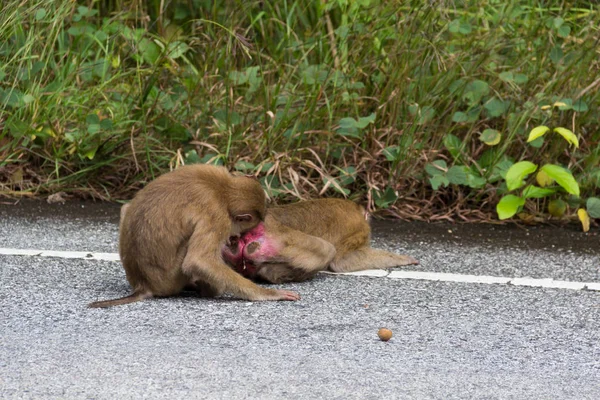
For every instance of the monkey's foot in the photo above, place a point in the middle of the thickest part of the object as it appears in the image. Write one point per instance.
(407, 260)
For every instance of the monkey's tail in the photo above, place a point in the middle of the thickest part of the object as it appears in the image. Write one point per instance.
(132, 298)
(368, 258)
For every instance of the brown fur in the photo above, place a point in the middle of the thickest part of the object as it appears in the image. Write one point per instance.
(172, 232)
(317, 235)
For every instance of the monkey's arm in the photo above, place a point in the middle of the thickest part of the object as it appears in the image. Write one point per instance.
(203, 263)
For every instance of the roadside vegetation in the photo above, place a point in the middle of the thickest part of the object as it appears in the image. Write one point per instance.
(417, 108)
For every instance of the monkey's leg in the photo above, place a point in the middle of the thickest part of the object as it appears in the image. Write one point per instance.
(368, 258)
(203, 262)
(295, 249)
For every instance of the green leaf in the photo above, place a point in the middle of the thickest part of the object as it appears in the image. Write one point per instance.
(391, 153)
(593, 207)
(521, 78)
(568, 135)
(563, 177)
(386, 199)
(28, 99)
(242, 165)
(580, 106)
(556, 54)
(536, 192)
(40, 14)
(518, 172)
(454, 26)
(149, 51)
(491, 137)
(427, 113)
(459, 117)
(437, 181)
(349, 127)
(453, 144)
(364, 121)
(537, 132)
(509, 205)
(557, 208)
(495, 107)
(457, 175)
(537, 143)
(92, 119)
(474, 92)
(433, 171)
(177, 49)
(506, 76)
(564, 31)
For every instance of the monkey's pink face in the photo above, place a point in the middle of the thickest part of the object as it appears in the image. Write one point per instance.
(248, 252)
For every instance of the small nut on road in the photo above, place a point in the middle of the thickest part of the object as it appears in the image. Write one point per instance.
(384, 334)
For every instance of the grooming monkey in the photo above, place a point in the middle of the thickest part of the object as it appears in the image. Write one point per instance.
(173, 231)
(298, 240)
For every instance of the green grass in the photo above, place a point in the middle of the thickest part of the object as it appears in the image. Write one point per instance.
(99, 97)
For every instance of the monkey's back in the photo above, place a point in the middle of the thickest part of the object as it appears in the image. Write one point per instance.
(340, 222)
(160, 221)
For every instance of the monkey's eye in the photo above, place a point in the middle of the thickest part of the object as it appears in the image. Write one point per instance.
(244, 218)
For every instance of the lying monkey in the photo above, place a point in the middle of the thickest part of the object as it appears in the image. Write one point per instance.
(173, 231)
(298, 240)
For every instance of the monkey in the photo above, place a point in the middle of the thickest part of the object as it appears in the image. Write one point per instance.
(298, 240)
(172, 232)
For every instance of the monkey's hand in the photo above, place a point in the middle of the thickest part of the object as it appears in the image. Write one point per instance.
(277, 294)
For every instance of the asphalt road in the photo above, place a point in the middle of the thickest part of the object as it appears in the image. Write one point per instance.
(451, 340)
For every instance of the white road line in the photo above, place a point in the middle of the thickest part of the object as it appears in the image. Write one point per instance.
(396, 274)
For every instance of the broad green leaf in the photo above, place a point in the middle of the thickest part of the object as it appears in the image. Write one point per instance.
(537, 132)
(495, 107)
(242, 165)
(506, 76)
(536, 192)
(593, 207)
(149, 50)
(491, 137)
(509, 205)
(452, 144)
(386, 199)
(518, 172)
(438, 167)
(557, 208)
(391, 153)
(475, 181)
(427, 113)
(563, 32)
(40, 14)
(580, 106)
(459, 117)
(521, 78)
(364, 121)
(177, 49)
(556, 54)
(457, 175)
(438, 180)
(568, 135)
(474, 92)
(563, 177)
(537, 143)
(584, 218)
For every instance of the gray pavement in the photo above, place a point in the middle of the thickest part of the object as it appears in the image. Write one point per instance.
(451, 340)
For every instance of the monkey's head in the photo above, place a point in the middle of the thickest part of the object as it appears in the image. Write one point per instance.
(247, 203)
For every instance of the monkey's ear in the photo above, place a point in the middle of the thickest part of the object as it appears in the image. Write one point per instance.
(244, 218)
